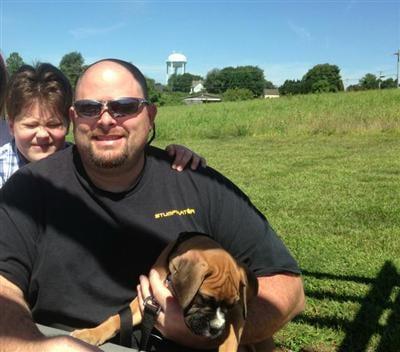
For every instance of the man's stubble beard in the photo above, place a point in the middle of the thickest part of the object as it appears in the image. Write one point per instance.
(111, 162)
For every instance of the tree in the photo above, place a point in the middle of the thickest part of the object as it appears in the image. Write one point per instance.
(369, 81)
(322, 78)
(182, 83)
(389, 83)
(72, 66)
(353, 88)
(291, 87)
(14, 62)
(246, 77)
(213, 82)
(152, 92)
(269, 85)
(321, 86)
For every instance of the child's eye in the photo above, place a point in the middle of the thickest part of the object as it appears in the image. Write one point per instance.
(54, 125)
(30, 125)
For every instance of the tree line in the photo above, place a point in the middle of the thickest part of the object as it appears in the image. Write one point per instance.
(232, 83)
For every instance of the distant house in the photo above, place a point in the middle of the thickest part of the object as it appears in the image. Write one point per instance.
(271, 93)
(202, 98)
(197, 87)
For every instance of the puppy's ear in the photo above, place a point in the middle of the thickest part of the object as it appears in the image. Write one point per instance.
(248, 287)
(187, 275)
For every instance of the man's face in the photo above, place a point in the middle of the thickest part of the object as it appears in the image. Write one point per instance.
(106, 142)
(38, 132)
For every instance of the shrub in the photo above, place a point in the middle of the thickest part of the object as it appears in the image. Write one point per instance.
(236, 94)
(171, 98)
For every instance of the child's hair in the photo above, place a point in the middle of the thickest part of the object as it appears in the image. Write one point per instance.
(42, 83)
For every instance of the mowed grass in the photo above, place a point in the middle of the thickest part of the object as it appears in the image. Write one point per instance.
(328, 180)
(335, 202)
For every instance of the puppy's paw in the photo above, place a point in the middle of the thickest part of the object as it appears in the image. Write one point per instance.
(89, 336)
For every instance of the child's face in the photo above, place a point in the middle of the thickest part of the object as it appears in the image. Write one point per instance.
(38, 133)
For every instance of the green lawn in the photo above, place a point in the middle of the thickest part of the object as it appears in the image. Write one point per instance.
(325, 170)
(335, 202)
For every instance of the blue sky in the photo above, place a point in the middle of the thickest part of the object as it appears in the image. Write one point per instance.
(284, 38)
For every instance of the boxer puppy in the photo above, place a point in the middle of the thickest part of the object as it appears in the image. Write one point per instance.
(211, 287)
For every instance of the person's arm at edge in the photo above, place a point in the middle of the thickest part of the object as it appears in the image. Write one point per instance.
(20, 334)
(280, 298)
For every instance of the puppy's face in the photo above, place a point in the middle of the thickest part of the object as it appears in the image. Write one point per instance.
(207, 316)
(207, 285)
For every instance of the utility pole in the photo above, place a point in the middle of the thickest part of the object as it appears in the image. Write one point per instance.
(380, 79)
(398, 67)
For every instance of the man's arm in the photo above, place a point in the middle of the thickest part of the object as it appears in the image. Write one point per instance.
(20, 334)
(280, 298)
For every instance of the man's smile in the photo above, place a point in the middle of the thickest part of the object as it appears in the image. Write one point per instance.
(108, 141)
(107, 137)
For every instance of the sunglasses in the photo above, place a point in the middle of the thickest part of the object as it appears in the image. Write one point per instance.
(88, 108)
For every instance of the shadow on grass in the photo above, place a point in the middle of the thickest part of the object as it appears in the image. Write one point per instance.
(366, 323)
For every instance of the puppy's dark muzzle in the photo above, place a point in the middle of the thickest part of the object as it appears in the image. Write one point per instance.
(203, 324)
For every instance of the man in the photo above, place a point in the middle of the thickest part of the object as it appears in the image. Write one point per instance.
(80, 228)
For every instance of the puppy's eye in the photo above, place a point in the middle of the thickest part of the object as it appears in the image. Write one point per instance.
(228, 306)
(209, 301)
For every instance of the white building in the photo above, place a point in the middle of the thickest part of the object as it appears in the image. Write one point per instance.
(197, 87)
(176, 65)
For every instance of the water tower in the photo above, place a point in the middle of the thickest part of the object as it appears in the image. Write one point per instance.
(176, 64)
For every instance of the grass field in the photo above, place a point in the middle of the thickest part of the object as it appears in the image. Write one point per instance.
(325, 170)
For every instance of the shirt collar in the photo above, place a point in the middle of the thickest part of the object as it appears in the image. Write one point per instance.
(21, 159)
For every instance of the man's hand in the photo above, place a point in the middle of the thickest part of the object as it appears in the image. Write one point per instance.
(170, 320)
(183, 156)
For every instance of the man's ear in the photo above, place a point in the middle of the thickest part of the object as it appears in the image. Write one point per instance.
(152, 110)
(72, 114)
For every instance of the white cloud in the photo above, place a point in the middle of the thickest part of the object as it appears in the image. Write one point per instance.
(300, 32)
(84, 32)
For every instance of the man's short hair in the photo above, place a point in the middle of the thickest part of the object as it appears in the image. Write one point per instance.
(135, 72)
(3, 85)
(43, 83)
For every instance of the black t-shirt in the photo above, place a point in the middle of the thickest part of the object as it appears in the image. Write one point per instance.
(77, 251)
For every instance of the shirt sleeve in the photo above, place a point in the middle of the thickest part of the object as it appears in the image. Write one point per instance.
(245, 232)
(18, 228)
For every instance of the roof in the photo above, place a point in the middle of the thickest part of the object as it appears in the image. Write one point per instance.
(203, 97)
(176, 57)
(271, 91)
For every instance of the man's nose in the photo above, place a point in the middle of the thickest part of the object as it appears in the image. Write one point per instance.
(106, 120)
